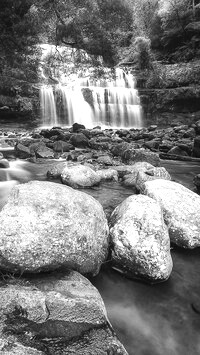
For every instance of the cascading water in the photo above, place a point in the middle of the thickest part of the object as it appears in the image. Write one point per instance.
(48, 106)
(106, 103)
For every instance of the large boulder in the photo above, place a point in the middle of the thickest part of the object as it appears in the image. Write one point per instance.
(181, 210)
(138, 155)
(149, 175)
(79, 176)
(62, 313)
(140, 239)
(45, 226)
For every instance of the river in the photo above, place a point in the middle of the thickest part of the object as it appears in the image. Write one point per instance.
(159, 319)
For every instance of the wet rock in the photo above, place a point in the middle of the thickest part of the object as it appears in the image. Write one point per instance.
(196, 182)
(45, 226)
(104, 160)
(196, 147)
(197, 127)
(130, 179)
(152, 127)
(79, 140)
(177, 151)
(190, 133)
(119, 149)
(4, 163)
(62, 146)
(140, 240)
(152, 145)
(61, 313)
(97, 145)
(56, 171)
(77, 126)
(22, 151)
(79, 176)
(107, 174)
(149, 175)
(139, 155)
(165, 146)
(181, 209)
(131, 169)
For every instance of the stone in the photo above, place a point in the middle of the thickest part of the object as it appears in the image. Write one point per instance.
(190, 133)
(140, 240)
(79, 176)
(56, 171)
(62, 146)
(105, 160)
(149, 175)
(178, 151)
(107, 174)
(4, 163)
(45, 226)
(118, 149)
(139, 155)
(196, 182)
(60, 313)
(129, 180)
(181, 209)
(131, 169)
(77, 126)
(22, 151)
(40, 150)
(196, 147)
(79, 140)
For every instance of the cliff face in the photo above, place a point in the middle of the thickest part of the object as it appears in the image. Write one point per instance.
(170, 92)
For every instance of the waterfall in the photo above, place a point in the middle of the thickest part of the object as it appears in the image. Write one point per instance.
(113, 103)
(48, 106)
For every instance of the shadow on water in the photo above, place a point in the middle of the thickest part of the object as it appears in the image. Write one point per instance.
(160, 319)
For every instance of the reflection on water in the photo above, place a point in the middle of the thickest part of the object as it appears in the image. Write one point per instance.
(159, 319)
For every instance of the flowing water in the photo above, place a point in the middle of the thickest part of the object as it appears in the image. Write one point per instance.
(113, 103)
(161, 319)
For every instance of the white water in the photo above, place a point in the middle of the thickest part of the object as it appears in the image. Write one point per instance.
(112, 103)
(48, 106)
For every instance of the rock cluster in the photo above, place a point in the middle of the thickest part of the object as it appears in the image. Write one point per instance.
(46, 226)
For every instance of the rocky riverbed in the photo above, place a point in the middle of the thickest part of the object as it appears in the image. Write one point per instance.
(47, 226)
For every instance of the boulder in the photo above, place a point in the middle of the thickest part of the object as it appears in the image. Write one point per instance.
(138, 155)
(62, 146)
(4, 163)
(131, 169)
(178, 151)
(107, 174)
(40, 150)
(22, 151)
(79, 140)
(140, 240)
(181, 209)
(56, 171)
(79, 176)
(45, 226)
(149, 175)
(60, 313)
(129, 180)
(77, 126)
(105, 160)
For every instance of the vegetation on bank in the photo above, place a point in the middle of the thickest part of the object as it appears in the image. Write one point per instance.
(107, 28)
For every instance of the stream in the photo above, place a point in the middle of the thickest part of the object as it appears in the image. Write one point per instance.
(148, 319)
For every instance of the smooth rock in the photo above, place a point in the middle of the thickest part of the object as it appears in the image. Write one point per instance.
(140, 239)
(181, 210)
(79, 176)
(149, 175)
(60, 313)
(45, 226)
